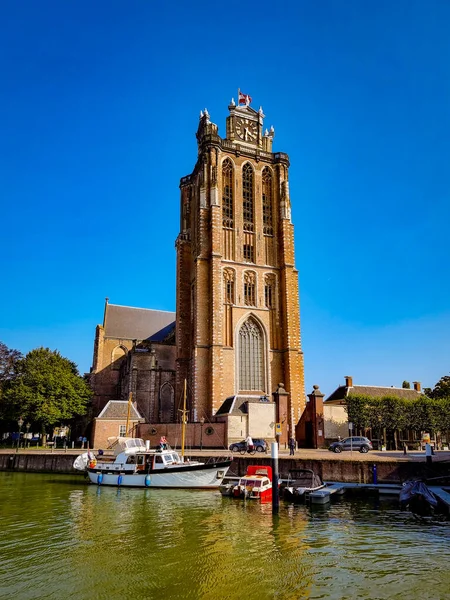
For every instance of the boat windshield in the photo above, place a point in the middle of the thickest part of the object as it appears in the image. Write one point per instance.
(253, 482)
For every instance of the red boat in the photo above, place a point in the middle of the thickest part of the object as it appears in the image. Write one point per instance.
(256, 484)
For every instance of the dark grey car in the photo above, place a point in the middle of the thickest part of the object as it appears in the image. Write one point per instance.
(362, 444)
(260, 445)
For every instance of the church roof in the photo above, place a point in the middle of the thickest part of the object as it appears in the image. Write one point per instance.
(128, 323)
(340, 393)
(118, 409)
(238, 405)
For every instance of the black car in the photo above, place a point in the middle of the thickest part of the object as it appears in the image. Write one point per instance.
(259, 444)
(362, 444)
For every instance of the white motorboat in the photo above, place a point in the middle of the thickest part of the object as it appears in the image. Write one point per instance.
(135, 465)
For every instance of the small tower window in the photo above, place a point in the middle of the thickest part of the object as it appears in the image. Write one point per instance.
(228, 276)
(227, 193)
(247, 197)
(269, 291)
(267, 201)
(249, 288)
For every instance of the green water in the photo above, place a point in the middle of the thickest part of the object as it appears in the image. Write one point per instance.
(61, 538)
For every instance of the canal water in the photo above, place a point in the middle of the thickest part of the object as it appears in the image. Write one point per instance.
(61, 538)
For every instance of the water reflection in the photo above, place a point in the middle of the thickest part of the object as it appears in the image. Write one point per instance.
(67, 539)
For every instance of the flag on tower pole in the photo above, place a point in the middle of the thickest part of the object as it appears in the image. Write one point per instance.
(244, 98)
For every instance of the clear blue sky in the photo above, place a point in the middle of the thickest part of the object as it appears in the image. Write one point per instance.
(100, 103)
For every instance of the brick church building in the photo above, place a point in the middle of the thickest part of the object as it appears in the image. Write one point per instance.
(235, 337)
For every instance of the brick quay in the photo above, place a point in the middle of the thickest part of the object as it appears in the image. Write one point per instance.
(350, 467)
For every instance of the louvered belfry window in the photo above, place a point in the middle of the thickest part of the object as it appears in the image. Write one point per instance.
(251, 357)
(227, 193)
(267, 201)
(247, 197)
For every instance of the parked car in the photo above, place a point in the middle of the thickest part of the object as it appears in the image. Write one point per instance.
(362, 444)
(260, 445)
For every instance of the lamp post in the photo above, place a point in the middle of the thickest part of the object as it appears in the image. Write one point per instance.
(28, 425)
(202, 422)
(19, 423)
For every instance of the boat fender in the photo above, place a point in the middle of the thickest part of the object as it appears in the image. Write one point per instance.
(92, 463)
(119, 480)
(99, 478)
(148, 481)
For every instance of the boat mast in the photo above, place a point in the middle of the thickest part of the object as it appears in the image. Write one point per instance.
(183, 421)
(129, 412)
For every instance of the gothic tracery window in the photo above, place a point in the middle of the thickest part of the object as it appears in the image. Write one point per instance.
(247, 197)
(251, 357)
(228, 279)
(267, 201)
(227, 193)
(269, 291)
(249, 288)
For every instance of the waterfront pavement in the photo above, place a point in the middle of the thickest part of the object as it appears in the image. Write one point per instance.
(301, 454)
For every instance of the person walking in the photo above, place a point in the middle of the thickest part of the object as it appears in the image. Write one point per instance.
(291, 446)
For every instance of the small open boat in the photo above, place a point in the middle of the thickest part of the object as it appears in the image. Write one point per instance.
(256, 484)
(300, 483)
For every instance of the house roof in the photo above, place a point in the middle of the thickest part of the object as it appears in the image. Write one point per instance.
(340, 394)
(118, 409)
(126, 322)
(237, 405)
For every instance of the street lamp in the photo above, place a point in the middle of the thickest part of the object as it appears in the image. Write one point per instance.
(19, 423)
(28, 425)
(202, 422)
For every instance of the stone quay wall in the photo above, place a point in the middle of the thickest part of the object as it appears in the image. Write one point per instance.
(346, 471)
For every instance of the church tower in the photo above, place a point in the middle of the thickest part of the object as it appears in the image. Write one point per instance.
(238, 316)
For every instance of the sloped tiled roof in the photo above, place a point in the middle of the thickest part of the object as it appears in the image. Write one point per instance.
(237, 405)
(118, 409)
(375, 391)
(128, 323)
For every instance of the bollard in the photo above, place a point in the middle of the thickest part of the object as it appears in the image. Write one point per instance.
(374, 474)
(275, 488)
(404, 449)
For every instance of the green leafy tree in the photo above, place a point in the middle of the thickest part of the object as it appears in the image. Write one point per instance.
(8, 363)
(48, 389)
(406, 385)
(442, 388)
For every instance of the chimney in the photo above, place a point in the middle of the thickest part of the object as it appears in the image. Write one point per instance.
(417, 386)
(348, 381)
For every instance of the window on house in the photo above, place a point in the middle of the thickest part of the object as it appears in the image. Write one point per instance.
(122, 430)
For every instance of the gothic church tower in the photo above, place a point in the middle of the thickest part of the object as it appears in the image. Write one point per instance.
(238, 319)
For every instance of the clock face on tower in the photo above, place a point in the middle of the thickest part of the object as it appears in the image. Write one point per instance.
(246, 130)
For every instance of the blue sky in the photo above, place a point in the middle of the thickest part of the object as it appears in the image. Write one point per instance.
(100, 104)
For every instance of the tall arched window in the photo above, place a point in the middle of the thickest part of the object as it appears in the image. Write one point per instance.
(267, 201)
(228, 279)
(249, 288)
(118, 356)
(251, 357)
(247, 197)
(227, 193)
(166, 403)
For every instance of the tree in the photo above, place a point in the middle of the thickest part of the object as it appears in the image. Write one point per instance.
(442, 388)
(8, 363)
(47, 390)
(406, 385)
